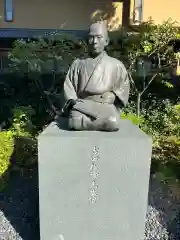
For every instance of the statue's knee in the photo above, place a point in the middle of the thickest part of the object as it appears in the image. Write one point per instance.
(113, 123)
(75, 123)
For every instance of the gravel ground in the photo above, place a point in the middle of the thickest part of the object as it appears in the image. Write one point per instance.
(163, 214)
(19, 210)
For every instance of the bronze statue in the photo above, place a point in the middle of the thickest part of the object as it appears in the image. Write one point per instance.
(95, 88)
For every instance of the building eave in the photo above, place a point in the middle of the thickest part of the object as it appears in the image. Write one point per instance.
(32, 33)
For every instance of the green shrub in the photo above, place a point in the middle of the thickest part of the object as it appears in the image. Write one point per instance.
(167, 149)
(6, 151)
(163, 119)
(166, 152)
(18, 145)
(163, 123)
(22, 121)
(42, 64)
(132, 117)
(25, 151)
(54, 55)
(25, 143)
(53, 52)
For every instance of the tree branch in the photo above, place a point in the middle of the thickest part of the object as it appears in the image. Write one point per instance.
(52, 94)
(132, 81)
(153, 77)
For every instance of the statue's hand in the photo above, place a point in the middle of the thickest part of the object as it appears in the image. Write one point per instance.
(109, 97)
(68, 106)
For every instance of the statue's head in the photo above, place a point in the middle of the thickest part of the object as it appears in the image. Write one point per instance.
(98, 38)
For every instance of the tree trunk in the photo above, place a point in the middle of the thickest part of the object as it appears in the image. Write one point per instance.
(138, 105)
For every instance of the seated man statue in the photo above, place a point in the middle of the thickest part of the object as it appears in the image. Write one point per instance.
(95, 88)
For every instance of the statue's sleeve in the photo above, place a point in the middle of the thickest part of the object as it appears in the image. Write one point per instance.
(71, 83)
(122, 85)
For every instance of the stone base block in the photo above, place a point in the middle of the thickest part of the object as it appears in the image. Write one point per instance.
(93, 185)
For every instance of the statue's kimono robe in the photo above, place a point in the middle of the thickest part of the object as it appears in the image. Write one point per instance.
(88, 79)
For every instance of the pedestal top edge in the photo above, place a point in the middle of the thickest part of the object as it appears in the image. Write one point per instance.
(127, 130)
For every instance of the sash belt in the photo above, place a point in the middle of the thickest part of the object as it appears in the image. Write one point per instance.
(97, 98)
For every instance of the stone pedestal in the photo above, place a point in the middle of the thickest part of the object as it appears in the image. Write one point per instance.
(93, 185)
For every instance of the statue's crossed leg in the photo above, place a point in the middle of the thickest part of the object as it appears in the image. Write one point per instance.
(79, 121)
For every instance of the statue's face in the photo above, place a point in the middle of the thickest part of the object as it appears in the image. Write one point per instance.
(98, 39)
